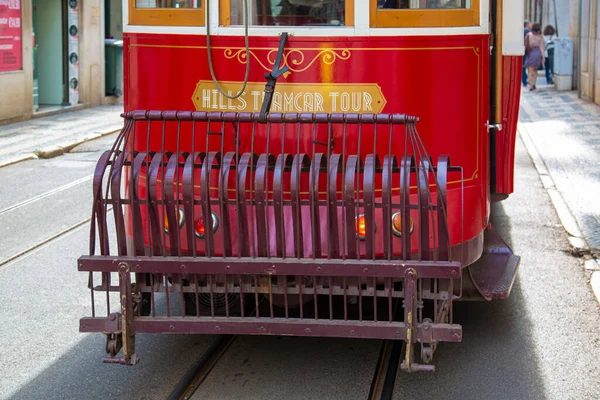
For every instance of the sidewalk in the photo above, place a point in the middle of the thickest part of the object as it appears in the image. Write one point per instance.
(50, 136)
(565, 131)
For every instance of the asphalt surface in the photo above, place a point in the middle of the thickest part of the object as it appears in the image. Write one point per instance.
(541, 343)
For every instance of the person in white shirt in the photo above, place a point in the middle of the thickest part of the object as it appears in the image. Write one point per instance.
(549, 36)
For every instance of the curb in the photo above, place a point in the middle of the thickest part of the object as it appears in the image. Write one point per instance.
(59, 150)
(567, 220)
(55, 150)
(17, 159)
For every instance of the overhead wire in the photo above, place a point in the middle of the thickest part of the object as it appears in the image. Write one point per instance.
(209, 51)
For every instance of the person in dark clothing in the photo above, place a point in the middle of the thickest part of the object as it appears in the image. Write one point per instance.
(526, 30)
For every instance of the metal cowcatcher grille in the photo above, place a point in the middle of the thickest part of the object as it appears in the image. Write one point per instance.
(307, 224)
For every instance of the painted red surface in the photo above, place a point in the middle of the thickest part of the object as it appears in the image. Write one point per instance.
(442, 80)
(10, 36)
(505, 145)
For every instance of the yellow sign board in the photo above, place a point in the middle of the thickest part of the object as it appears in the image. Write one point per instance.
(291, 97)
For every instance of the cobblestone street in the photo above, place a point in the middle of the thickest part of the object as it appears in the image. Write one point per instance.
(565, 130)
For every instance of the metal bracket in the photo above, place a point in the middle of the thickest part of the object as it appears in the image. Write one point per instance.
(120, 331)
(271, 77)
(497, 127)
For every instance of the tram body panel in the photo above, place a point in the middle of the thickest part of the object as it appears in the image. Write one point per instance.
(443, 80)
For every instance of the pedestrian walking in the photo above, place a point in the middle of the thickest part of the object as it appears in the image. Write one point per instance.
(526, 30)
(549, 36)
(534, 50)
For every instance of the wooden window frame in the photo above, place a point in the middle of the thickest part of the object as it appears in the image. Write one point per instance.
(225, 14)
(167, 16)
(424, 18)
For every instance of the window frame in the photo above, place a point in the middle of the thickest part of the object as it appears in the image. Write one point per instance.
(225, 15)
(424, 18)
(167, 16)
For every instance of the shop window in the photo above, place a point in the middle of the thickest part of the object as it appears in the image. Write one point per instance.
(167, 12)
(288, 12)
(424, 13)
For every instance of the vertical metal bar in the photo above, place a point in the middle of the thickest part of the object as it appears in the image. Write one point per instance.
(333, 240)
(169, 180)
(443, 234)
(205, 202)
(270, 296)
(167, 295)
(282, 162)
(300, 160)
(246, 162)
(242, 306)
(360, 299)
(344, 220)
(405, 204)
(192, 173)
(262, 222)
(226, 297)
(196, 295)
(390, 287)
(182, 297)
(345, 298)
(330, 297)
(177, 180)
(300, 280)
(375, 299)
(256, 283)
(153, 303)
(369, 198)
(224, 202)
(423, 190)
(91, 286)
(285, 295)
(316, 167)
(212, 295)
(252, 200)
(349, 206)
(268, 166)
(315, 301)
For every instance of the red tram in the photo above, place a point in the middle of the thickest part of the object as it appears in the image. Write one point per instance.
(306, 167)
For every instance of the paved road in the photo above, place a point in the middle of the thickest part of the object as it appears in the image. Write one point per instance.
(541, 343)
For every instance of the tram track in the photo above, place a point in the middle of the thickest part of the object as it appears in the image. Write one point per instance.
(25, 206)
(386, 370)
(48, 193)
(198, 372)
(45, 241)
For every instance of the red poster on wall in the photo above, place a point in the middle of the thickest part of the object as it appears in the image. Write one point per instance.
(10, 36)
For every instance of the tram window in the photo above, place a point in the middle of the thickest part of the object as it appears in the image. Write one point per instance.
(422, 4)
(424, 13)
(168, 3)
(167, 12)
(292, 12)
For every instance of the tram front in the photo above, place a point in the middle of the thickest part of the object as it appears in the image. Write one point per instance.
(290, 191)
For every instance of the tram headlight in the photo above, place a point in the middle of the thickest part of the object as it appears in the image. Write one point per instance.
(200, 228)
(397, 224)
(180, 219)
(360, 224)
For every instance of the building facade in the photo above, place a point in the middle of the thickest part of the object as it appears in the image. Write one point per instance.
(53, 55)
(578, 20)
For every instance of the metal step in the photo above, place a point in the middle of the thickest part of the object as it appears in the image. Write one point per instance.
(494, 273)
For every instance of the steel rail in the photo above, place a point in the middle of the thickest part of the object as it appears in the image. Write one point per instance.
(46, 194)
(198, 372)
(386, 371)
(46, 241)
